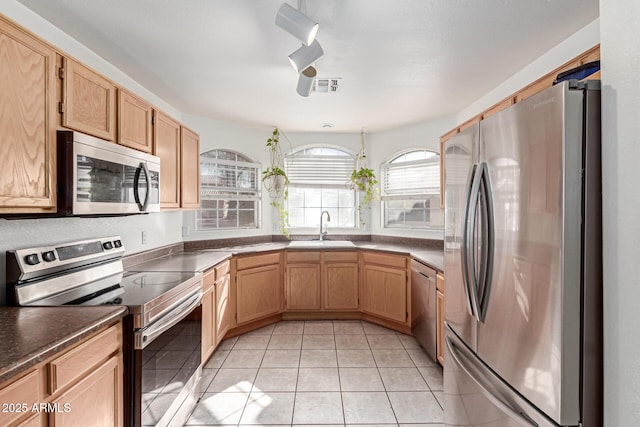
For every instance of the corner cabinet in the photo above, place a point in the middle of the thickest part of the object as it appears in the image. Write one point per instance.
(88, 101)
(189, 169)
(27, 122)
(134, 122)
(258, 286)
(385, 287)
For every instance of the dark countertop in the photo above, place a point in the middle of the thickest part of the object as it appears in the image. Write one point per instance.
(200, 260)
(30, 335)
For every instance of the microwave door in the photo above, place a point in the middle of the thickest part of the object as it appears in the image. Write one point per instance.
(107, 182)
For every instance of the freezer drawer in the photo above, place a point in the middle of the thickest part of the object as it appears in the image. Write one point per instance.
(475, 396)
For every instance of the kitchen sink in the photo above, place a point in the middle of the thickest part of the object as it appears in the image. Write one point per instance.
(321, 244)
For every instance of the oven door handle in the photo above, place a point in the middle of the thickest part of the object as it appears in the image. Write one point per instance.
(145, 336)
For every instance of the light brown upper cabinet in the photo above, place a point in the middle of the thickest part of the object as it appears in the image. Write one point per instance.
(134, 122)
(166, 145)
(27, 122)
(189, 169)
(88, 101)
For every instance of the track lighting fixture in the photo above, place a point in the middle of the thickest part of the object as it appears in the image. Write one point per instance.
(297, 24)
(305, 81)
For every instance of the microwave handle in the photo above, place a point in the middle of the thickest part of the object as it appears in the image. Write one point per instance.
(136, 179)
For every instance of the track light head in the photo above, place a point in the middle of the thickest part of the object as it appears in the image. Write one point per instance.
(297, 24)
(305, 56)
(305, 81)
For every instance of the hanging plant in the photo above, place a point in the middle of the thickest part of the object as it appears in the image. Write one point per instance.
(363, 179)
(276, 182)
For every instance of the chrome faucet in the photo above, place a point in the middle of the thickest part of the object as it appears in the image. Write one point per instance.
(323, 233)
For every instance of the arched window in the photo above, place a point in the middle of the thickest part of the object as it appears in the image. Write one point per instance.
(411, 190)
(229, 191)
(318, 179)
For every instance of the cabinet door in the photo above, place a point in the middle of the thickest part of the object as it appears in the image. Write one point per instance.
(440, 326)
(208, 324)
(134, 122)
(37, 420)
(223, 309)
(385, 292)
(259, 293)
(190, 170)
(302, 287)
(89, 101)
(27, 122)
(166, 145)
(340, 284)
(96, 400)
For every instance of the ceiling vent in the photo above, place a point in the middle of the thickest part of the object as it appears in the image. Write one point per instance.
(327, 85)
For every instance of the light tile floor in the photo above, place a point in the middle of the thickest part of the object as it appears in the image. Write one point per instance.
(320, 373)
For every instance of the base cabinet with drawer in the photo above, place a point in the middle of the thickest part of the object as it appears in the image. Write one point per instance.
(258, 287)
(82, 386)
(385, 287)
(440, 318)
(321, 281)
(215, 308)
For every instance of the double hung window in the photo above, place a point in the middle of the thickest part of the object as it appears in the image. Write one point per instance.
(411, 191)
(229, 191)
(318, 178)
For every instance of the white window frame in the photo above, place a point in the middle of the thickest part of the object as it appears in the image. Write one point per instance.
(340, 182)
(409, 193)
(256, 197)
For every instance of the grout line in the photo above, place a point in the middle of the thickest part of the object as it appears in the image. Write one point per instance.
(344, 417)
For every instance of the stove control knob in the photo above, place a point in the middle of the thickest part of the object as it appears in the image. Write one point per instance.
(49, 256)
(117, 243)
(32, 259)
(107, 245)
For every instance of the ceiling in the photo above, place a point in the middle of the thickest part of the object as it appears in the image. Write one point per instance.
(401, 61)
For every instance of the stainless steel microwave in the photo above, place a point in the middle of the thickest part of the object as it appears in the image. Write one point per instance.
(98, 177)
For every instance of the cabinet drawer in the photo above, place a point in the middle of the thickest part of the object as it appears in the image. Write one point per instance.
(337, 256)
(222, 269)
(76, 363)
(257, 260)
(25, 390)
(384, 259)
(303, 256)
(209, 279)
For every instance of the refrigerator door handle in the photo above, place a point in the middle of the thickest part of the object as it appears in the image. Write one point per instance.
(515, 414)
(469, 233)
(487, 247)
(464, 253)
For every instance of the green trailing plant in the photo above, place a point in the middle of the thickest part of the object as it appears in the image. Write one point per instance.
(363, 179)
(276, 182)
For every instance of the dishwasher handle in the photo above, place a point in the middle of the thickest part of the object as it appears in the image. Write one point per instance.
(429, 278)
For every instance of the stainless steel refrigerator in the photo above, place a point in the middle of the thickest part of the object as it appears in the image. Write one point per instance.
(523, 262)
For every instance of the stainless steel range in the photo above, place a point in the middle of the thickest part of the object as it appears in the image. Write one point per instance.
(162, 333)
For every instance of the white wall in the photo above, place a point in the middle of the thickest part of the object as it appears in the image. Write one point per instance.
(582, 40)
(620, 54)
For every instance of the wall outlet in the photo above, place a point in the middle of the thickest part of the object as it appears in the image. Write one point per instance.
(144, 237)
(185, 231)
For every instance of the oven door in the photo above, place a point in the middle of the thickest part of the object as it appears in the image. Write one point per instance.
(167, 365)
(110, 179)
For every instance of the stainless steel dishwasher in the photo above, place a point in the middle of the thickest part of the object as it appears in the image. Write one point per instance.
(423, 306)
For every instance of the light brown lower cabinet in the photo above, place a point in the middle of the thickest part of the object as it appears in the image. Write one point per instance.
(302, 282)
(82, 386)
(258, 287)
(223, 307)
(95, 401)
(208, 323)
(385, 292)
(340, 281)
(440, 318)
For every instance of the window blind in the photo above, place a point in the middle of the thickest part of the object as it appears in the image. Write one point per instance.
(411, 178)
(319, 170)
